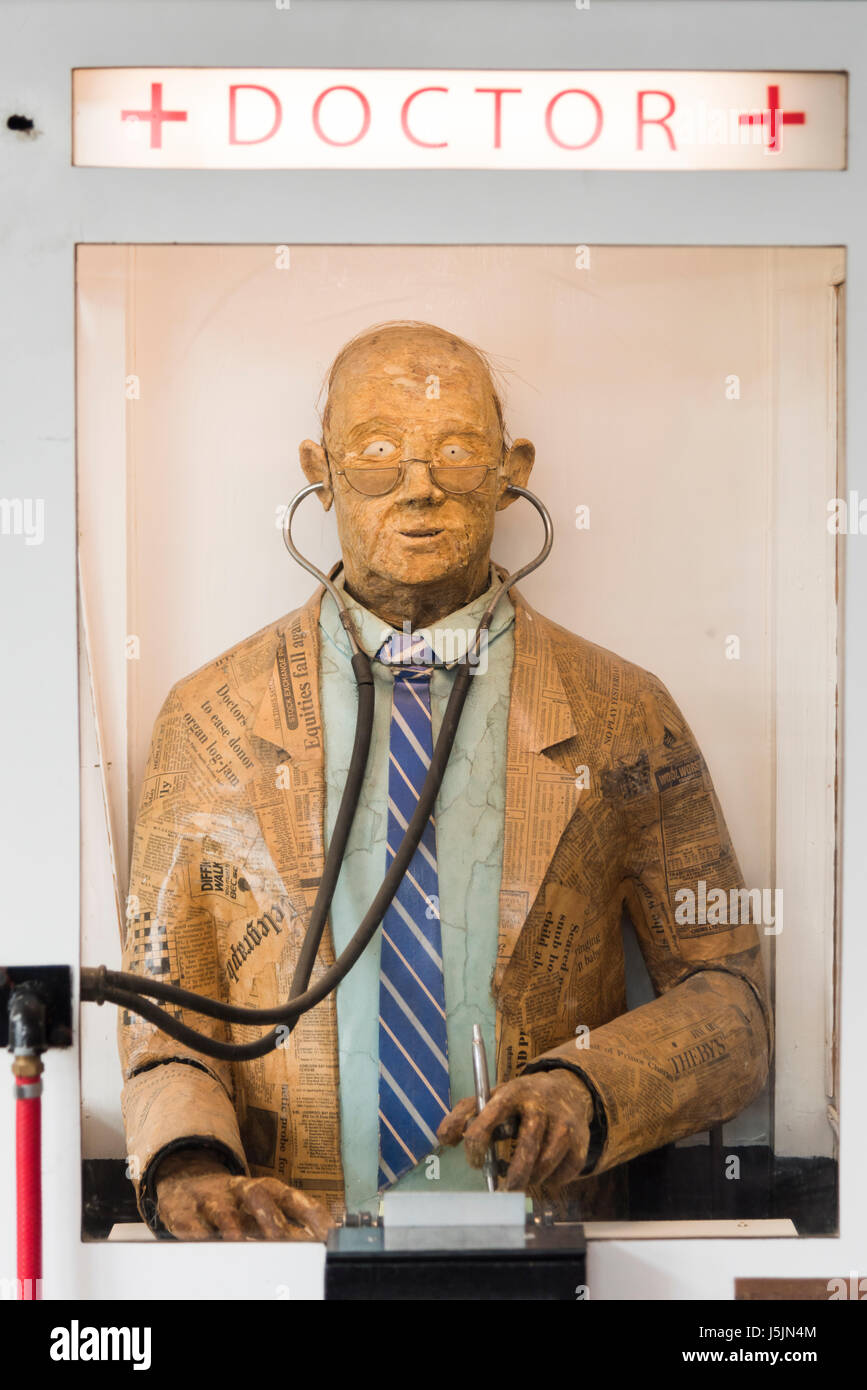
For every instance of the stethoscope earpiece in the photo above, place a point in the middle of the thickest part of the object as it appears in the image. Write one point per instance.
(340, 600)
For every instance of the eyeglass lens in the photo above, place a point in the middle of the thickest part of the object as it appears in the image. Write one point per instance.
(376, 482)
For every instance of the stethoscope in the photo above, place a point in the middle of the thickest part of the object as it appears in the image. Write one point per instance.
(126, 990)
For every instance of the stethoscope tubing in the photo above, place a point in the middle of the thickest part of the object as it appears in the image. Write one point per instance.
(125, 989)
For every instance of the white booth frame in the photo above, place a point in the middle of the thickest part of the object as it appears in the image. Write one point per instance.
(59, 206)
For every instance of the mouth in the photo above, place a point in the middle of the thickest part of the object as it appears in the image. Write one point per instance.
(422, 531)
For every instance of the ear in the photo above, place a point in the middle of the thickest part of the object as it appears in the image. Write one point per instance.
(517, 468)
(314, 462)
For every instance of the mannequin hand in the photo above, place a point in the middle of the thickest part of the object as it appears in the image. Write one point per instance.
(199, 1199)
(553, 1109)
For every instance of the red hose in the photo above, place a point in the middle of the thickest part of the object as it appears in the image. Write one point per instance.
(28, 1160)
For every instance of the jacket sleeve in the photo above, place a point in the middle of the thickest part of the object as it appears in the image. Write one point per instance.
(173, 1097)
(699, 1052)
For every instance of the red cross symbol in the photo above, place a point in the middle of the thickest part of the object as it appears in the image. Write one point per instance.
(774, 117)
(156, 115)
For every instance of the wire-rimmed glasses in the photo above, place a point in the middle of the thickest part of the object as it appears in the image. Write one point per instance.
(375, 480)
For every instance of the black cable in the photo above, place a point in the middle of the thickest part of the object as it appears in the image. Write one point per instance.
(342, 826)
(124, 989)
(94, 983)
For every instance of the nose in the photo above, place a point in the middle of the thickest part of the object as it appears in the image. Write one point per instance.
(417, 485)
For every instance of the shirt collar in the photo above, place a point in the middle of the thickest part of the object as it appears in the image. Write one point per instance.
(373, 631)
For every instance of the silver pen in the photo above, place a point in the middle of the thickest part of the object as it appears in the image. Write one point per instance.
(483, 1095)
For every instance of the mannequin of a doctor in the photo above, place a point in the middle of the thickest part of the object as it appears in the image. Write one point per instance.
(414, 393)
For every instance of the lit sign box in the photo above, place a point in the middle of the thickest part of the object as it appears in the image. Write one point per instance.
(310, 118)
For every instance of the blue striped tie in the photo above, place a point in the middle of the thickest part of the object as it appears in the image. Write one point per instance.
(413, 1045)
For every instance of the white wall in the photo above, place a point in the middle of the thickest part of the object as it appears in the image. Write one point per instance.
(619, 374)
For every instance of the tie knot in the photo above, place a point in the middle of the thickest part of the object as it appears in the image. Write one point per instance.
(408, 650)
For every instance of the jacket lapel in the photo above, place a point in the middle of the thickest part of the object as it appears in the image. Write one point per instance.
(541, 791)
(289, 718)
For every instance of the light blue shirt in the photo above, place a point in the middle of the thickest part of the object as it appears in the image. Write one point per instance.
(470, 817)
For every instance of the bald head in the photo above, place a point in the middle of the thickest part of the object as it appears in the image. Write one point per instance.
(407, 396)
(405, 356)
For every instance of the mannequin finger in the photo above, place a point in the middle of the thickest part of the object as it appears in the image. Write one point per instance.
(309, 1214)
(250, 1228)
(451, 1129)
(273, 1225)
(223, 1216)
(558, 1143)
(478, 1134)
(185, 1223)
(531, 1136)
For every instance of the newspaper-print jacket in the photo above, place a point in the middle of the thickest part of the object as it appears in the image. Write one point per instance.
(609, 804)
